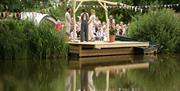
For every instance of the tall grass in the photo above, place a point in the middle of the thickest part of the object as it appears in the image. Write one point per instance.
(22, 39)
(11, 39)
(160, 27)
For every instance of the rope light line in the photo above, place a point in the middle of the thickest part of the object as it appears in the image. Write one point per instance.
(135, 8)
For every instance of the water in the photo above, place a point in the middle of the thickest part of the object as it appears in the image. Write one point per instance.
(115, 73)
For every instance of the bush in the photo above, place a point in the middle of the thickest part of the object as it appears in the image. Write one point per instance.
(21, 39)
(160, 27)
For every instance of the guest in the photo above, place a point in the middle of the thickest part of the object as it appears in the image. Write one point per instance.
(121, 28)
(118, 29)
(78, 30)
(112, 22)
(68, 21)
(97, 23)
(104, 28)
(124, 30)
(100, 34)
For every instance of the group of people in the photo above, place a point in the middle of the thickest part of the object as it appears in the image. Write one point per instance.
(90, 28)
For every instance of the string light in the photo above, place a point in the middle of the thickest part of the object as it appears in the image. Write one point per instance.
(135, 8)
(121, 6)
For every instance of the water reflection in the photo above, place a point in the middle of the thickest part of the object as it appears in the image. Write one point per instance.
(70, 84)
(128, 73)
(91, 70)
(46, 75)
(162, 75)
(114, 73)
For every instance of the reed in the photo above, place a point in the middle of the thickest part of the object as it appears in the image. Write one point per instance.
(23, 39)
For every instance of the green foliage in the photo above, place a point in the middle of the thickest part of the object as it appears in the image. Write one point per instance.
(11, 44)
(112, 31)
(59, 12)
(21, 5)
(122, 15)
(21, 39)
(160, 27)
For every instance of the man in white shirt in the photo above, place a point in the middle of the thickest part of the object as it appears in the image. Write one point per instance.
(68, 21)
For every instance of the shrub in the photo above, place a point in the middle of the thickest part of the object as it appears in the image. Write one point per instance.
(22, 39)
(160, 27)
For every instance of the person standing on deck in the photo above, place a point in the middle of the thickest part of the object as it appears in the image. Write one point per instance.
(91, 23)
(97, 23)
(112, 22)
(84, 26)
(68, 21)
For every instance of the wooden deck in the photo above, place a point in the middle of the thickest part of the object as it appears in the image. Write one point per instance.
(98, 48)
(116, 44)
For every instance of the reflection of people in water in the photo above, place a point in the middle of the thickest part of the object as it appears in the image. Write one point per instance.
(69, 80)
(87, 81)
(91, 86)
(83, 80)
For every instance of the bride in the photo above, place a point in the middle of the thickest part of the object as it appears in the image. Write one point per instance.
(91, 26)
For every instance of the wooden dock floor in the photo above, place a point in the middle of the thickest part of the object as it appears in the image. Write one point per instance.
(116, 44)
(99, 48)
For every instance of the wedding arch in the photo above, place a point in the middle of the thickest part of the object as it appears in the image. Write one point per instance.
(104, 3)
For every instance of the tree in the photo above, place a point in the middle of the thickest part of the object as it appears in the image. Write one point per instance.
(19, 5)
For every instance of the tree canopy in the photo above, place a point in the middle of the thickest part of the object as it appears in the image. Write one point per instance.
(19, 5)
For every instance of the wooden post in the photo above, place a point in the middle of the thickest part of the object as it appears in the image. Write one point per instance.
(78, 6)
(74, 20)
(107, 20)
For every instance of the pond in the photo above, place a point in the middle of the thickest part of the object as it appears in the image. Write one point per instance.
(113, 73)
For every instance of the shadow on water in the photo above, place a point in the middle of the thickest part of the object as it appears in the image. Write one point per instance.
(110, 73)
